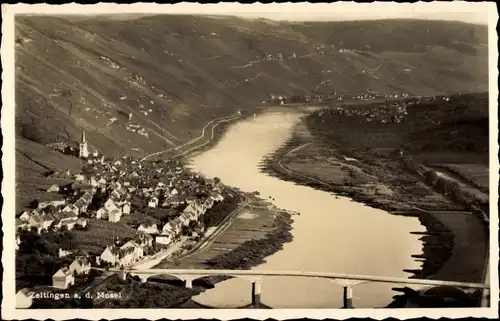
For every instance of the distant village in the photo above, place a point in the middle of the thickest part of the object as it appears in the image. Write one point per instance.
(114, 185)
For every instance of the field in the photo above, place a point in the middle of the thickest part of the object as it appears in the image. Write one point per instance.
(384, 182)
(33, 163)
(251, 224)
(101, 233)
(476, 174)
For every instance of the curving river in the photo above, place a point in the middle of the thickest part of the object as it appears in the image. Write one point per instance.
(332, 234)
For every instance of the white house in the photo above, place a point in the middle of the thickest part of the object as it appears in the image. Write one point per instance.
(110, 255)
(114, 215)
(23, 299)
(63, 253)
(126, 208)
(70, 224)
(110, 205)
(153, 202)
(80, 266)
(148, 228)
(71, 208)
(81, 222)
(164, 238)
(63, 279)
(79, 177)
(93, 182)
(25, 216)
(102, 213)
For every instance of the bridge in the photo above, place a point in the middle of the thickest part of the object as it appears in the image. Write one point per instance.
(302, 107)
(347, 281)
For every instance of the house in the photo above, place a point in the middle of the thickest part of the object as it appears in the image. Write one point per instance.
(82, 205)
(164, 238)
(114, 215)
(126, 208)
(23, 299)
(110, 205)
(25, 216)
(148, 228)
(79, 177)
(81, 222)
(70, 224)
(138, 251)
(80, 266)
(63, 253)
(184, 219)
(153, 202)
(65, 216)
(71, 208)
(93, 182)
(53, 189)
(110, 255)
(63, 279)
(36, 220)
(46, 204)
(102, 213)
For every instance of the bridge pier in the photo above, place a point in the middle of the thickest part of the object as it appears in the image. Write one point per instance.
(188, 283)
(123, 274)
(347, 297)
(256, 294)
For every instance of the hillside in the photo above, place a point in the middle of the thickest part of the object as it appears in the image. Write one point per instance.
(176, 73)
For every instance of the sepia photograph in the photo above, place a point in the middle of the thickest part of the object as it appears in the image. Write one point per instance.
(263, 160)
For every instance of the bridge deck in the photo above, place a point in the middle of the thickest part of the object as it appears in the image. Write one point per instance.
(335, 276)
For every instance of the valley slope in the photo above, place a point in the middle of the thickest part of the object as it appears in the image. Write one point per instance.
(142, 85)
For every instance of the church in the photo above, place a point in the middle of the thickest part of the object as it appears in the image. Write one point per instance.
(83, 151)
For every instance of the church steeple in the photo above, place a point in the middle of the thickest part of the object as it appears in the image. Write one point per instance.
(84, 151)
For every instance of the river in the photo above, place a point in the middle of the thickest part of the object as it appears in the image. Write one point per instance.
(332, 234)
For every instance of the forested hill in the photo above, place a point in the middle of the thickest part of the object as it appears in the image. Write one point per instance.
(173, 74)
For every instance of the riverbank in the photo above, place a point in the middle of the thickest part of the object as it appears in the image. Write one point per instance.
(437, 242)
(455, 244)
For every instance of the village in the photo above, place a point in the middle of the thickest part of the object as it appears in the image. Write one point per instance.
(112, 190)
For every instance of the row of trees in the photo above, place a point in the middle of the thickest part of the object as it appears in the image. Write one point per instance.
(452, 189)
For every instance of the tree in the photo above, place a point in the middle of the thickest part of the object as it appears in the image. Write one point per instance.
(431, 176)
(33, 204)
